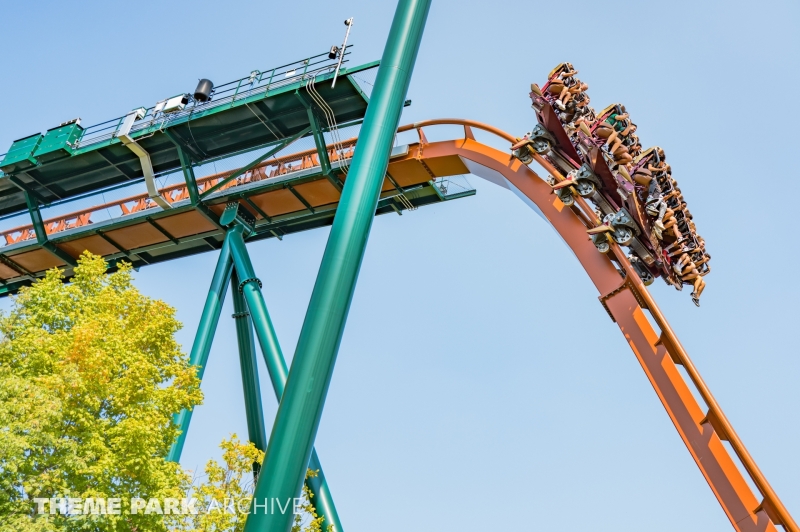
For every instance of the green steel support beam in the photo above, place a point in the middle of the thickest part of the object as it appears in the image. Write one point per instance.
(256, 208)
(300, 411)
(256, 431)
(358, 89)
(20, 185)
(58, 252)
(161, 230)
(24, 273)
(36, 217)
(256, 162)
(400, 189)
(191, 182)
(132, 257)
(300, 198)
(41, 233)
(276, 365)
(319, 141)
(205, 335)
(188, 173)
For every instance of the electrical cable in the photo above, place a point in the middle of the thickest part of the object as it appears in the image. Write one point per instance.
(330, 118)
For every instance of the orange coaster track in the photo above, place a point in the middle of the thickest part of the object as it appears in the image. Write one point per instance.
(703, 428)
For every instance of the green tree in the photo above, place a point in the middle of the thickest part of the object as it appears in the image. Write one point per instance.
(90, 377)
(223, 488)
(224, 495)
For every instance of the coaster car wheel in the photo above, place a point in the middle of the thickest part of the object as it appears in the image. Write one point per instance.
(541, 140)
(601, 242)
(586, 181)
(585, 188)
(625, 229)
(523, 154)
(565, 195)
(644, 274)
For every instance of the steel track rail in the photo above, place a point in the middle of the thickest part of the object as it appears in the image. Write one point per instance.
(702, 428)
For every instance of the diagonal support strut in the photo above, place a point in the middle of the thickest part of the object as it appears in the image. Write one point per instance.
(205, 335)
(234, 264)
(281, 145)
(256, 431)
(292, 440)
(250, 287)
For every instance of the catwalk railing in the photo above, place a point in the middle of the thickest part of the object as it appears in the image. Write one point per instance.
(271, 169)
(225, 94)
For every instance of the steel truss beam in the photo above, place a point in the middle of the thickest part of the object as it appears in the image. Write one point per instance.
(205, 335)
(188, 173)
(183, 146)
(185, 159)
(281, 145)
(41, 232)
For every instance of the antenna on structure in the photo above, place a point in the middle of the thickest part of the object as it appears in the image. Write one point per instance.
(349, 24)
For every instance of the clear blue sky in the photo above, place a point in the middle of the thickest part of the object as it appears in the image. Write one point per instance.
(459, 401)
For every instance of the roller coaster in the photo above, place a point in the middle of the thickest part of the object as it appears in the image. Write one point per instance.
(615, 205)
(633, 191)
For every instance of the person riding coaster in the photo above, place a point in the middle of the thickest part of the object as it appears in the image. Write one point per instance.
(615, 127)
(589, 171)
(672, 222)
(568, 96)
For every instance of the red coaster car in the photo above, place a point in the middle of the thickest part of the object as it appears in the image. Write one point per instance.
(633, 191)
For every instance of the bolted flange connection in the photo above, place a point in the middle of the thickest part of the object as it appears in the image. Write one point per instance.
(250, 280)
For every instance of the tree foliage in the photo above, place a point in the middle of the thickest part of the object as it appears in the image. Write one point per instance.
(90, 377)
(224, 488)
(224, 495)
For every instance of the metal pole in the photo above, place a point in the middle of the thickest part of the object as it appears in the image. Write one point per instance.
(297, 421)
(205, 335)
(256, 431)
(250, 288)
(349, 24)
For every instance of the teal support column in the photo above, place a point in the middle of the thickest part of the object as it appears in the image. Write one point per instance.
(250, 288)
(297, 421)
(41, 232)
(254, 411)
(205, 335)
(319, 142)
(188, 175)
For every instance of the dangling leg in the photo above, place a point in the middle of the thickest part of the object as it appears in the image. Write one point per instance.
(699, 285)
(660, 208)
(681, 263)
